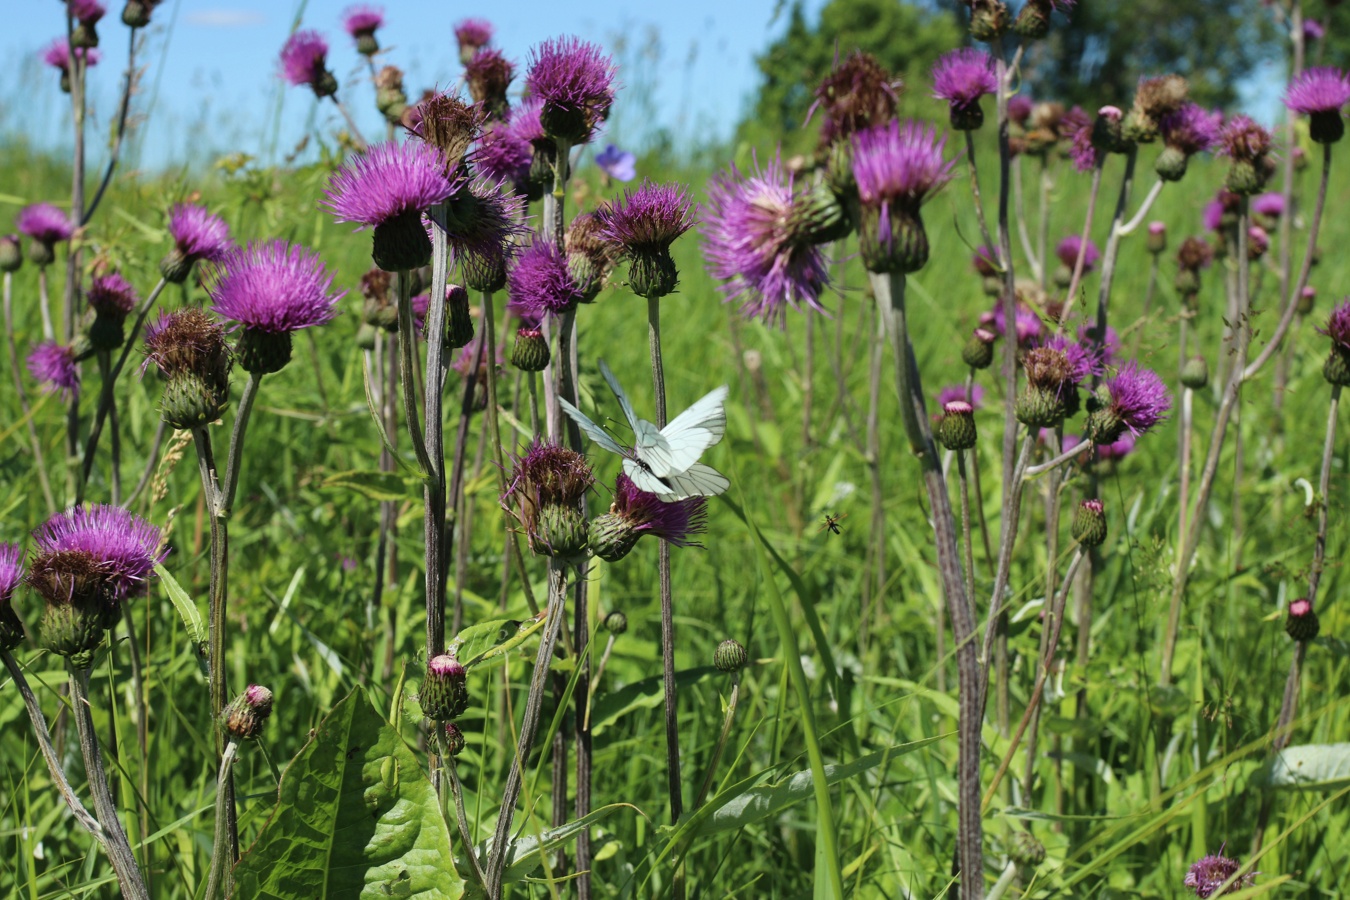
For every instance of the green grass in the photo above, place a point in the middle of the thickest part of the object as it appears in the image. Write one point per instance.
(301, 622)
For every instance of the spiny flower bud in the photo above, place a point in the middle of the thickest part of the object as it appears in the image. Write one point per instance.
(1157, 238)
(445, 691)
(1108, 134)
(616, 623)
(1089, 524)
(1301, 623)
(730, 656)
(544, 493)
(978, 353)
(11, 253)
(1195, 374)
(530, 352)
(956, 429)
(1155, 98)
(454, 739)
(988, 19)
(1306, 299)
(244, 717)
(136, 13)
(390, 98)
(1025, 850)
(458, 319)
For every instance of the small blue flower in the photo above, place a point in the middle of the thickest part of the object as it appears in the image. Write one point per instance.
(617, 164)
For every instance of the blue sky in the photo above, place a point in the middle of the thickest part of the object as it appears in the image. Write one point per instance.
(211, 83)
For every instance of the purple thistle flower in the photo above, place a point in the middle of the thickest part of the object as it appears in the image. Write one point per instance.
(1208, 873)
(575, 81)
(1135, 400)
(646, 514)
(1019, 108)
(1270, 204)
(87, 12)
(1026, 322)
(503, 155)
(544, 493)
(527, 122)
(491, 220)
(957, 392)
(1212, 216)
(197, 234)
(45, 223)
(388, 181)
(1313, 30)
(1191, 129)
(53, 366)
(896, 163)
(11, 570)
(1338, 326)
(1077, 127)
(755, 241)
(540, 283)
(648, 219)
(1318, 90)
(1106, 350)
(1067, 251)
(1244, 140)
(125, 546)
(57, 55)
(488, 74)
(472, 35)
(1084, 360)
(112, 295)
(362, 20)
(617, 164)
(273, 287)
(962, 77)
(304, 61)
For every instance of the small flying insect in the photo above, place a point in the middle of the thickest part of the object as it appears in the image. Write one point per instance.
(832, 522)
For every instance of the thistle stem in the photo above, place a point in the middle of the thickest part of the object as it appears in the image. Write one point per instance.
(1019, 199)
(123, 108)
(975, 192)
(1061, 459)
(1080, 262)
(357, 139)
(34, 442)
(721, 744)
(44, 304)
(219, 882)
(434, 535)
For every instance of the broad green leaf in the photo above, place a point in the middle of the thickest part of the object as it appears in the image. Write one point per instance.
(186, 606)
(644, 694)
(1307, 767)
(374, 484)
(356, 818)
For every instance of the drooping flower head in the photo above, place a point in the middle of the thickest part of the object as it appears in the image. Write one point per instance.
(758, 240)
(53, 366)
(620, 165)
(1189, 130)
(644, 223)
(389, 187)
(488, 75)
(46, 226)
(11, 574)
(540, 283)
(197, 235)
(575, 81)
(304, 60)
(896, 168)
(1320, 93)
(1208, 873)
(1248, 145)
(544, 492)
(189, 349)
(1132, 400)
(1154, 99)
(635, 512)
(962, 77)
(856, 95)
(361, 21)
(473, 35)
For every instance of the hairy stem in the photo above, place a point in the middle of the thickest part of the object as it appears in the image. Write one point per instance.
(219, 882)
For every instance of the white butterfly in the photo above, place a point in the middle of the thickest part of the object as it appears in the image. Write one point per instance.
(664, 461)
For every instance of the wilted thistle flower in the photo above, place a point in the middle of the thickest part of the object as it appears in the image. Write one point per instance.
(956, 427)
(447, 123)
(635, 512)
(896, 167)
(544, 493)
(388, 187)
(1192, 256)
(304, 61)
(189, 349)
(1034, 20)
(540, 283)
(760, 241)
(1185, 132)
(575, 81)
(244, 716)
(1154, 99)
(590, 258)
(643, 224)
(112, 298)
(1067, 251)
(46, 226)
(1208, 873)
(1301, 623)
(57, 54)
(136, 13)
(472, 35)
(272, 288)
(86, 562)
(483, 221)
(1248, 146)
(1053, 372)
(53, 366)
(390, 98)
(988, 19)
(1319, 94)
(360, 22)
(856, 95)
(11, 574)
(488, 76)
(197, 234)
(445, 689)
(86, 14)
(1337, 367)
(962, 77)
(1132, 400)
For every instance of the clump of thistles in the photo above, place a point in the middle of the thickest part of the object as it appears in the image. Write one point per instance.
(897, 167)
(1132, 400)
(544, 493)
(643, 224)
(575, 81)
(962, 77)
(189, 349)
(1209, 873)
(304, 60)
(272, 288)
(1337, 367)
(635, 512)
(361, 22)
(472, 36)
(761, 240)
(389, 187)
(1319, 94)
(46, 226)
(1248, 146)
(197, 235)
(53, 366)
(1185, 132)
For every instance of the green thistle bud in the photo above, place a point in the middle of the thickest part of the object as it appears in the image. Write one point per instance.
(401, 242)
(136, 14)
(612, 536)
(904, 250)
(191, 402)
(1195, 374)
(1326, 127)
(1171, 164)
(41, 254)
(563, 531)
(72, 630)
(1336, 370)
(530, 353)
(244, 717)
(1025, 850)
(454, 739)
(729, 656)
(458, 319)
(1301, 623)
(956, 429)
(1157, 238)
(1249, 177)
(652, 275)
(616, 623)
(1089, 524)
(988, 19)
(978, 353)
(445, 690)
(1033, 22)
(820, 217)
(263, 352)
(1039, 408)
(11, 253)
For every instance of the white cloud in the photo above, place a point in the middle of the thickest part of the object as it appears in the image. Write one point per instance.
(225, 18)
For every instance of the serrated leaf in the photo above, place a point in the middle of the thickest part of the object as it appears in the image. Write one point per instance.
(356, 817)
(373, 484)
(1307, 767)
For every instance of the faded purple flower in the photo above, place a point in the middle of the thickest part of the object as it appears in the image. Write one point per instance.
(1026, 322)
(617, 164)
(540, 283)
(112, 295)
(575, 81)
(197, 234)
(1019, 108)
(386, 182)
(45, 223)
(644, 513)
(488, 74)
(962, 77)
(1207, 874)
(304, 61)
(57, 55)
(53, 366)
(473, 35)
(1269, 204)
(1313, 30)
(756, 242)
(1084, 360)
(504, 155)
(273, 287)
(857, 94)
(87, 12)
(124, 546)
(11, 570)
(362, 20)
(485, 217)
(1191, 129)
(1067, 251)
(1244, 140)
(544, 493)
(957, 392)
(1318, 90)
(1338, 326)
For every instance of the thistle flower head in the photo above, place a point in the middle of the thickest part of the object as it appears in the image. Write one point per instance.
(1243, 140)
(11, 570)
(57, 55)
(53, 366)
(1161, 95)
(1269, 204)
(540, 283)
(45, 223)
(1084, 360)
(1019, 108)
(646, 514)
(124, 546)
(544, 492)
(1191, 129)
(1338, 326)
(388, 181)
(1067, 250)
(1318, 90)
(856, 95)
(304, 61)
(112, 294)
(473, 35)
(1132, 400)
(1195, 254)
(590, 258)
(87, 12)
(756, 242)
(197, 234)
(503, 155)
(1026, 323)
(186, 341)
(1077, 127)
(895, 163)
(1208, 873)
(274, 287)
(447, 123)
(362, 19)
(962, 77)
(648, 219)
(957, 392)
(575, 81)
